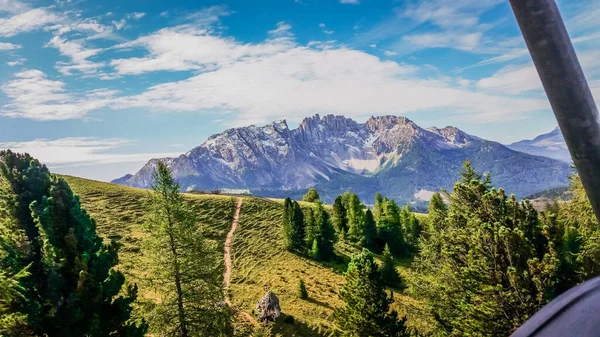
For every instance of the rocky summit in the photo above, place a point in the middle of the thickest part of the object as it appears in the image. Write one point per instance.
(386, 154)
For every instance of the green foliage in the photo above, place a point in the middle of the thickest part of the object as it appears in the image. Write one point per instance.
(302, 292)
(389, 274)
(183, 267)
(355, 215)
(367, 305)
(490, 266)
(389, 227)
(311, 196)
(70, 287)
(411, 227)
(293, 226)
(437, 212)
(339, 220)
(369, 239)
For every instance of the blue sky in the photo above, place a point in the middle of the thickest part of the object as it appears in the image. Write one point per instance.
(96, 88)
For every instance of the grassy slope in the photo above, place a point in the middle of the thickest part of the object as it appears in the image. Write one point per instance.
(258, 257)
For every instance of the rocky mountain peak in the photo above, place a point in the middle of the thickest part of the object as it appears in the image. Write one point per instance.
(453, 135)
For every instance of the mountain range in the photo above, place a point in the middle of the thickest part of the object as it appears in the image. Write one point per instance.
(387, 154)
(551, 145)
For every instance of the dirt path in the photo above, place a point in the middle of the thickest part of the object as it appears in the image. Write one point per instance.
(227, 257)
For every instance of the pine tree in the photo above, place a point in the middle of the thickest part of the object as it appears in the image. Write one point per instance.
(299, 227)
(70, 288)
(355, 216)
(493, 246)
(185, 268)
(313, 253)
(326, 234)
(389, 274)
(339, 215)
(366, 304)
(369, 231)
(437, 212)
(288, 225)
(302, 292)
(389, 228)
(311, 229)
(411, 227)
(311, 196)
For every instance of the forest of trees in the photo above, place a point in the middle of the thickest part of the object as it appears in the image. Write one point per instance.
(482, 262)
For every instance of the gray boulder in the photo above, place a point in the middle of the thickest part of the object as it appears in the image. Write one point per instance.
(268, 308)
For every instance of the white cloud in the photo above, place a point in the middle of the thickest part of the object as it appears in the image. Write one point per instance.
(321, 25)
(8, 46)
(389, 53)
(76, 151)
(189, 48)
(352, 2)
(78, 54)
(467, 41)
(32, 95)
(136, 15)
(28, 21)
(16, 62)
(373, 45)
(12, 6)
(512, 80)
(298, 81)
(119, 24)
(449, 14)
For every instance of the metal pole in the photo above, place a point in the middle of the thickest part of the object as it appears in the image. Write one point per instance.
(565, 85)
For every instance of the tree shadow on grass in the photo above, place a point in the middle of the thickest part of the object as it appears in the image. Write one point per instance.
(320, 303)
(288, 326)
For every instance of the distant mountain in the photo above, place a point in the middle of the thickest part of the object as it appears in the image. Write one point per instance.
(388, 154)
(551, 145)
(123, 180)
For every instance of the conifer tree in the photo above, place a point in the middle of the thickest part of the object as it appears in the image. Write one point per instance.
(340, 223)
(492, 246)
(302, 292)
(185, 268)
(389, 274)
(369, 240)
(411, 227)
(366, 303)
(326, 234)
(437, 212)
(69, 287)
(299, 227)
(389, 229)
(311, 229)
(311, 196)
(355, 216)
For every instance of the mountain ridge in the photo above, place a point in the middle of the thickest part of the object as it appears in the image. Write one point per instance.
(336, 153)
(551, 145)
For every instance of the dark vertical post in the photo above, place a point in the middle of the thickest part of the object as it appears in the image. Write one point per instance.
(565, 85)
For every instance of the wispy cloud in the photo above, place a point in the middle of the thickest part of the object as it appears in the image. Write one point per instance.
(28, 21)
(9, 46)
(351, 2)
(32, 95)
(77, 151)
(16, 62)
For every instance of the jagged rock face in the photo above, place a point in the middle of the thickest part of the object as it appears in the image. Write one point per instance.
(268, 308)
(334, 153)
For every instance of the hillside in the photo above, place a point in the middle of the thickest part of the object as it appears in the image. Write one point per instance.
(387, 154)
(257, 256)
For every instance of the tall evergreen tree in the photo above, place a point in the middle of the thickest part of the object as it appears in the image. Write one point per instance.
(411, 227)
(311, 228)
(366, 303)
(437, 212)
(185, 268)
(355, 215)
(287, 224)
(299, 227)
(71, 288)
(326, 234)
(489, 269)
(369, 240)
(311, 196)
(339, 215)
(389, 229)
(389, 274)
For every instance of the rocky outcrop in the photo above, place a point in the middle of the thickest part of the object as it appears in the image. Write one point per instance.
(387, 154)
(268, 308)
